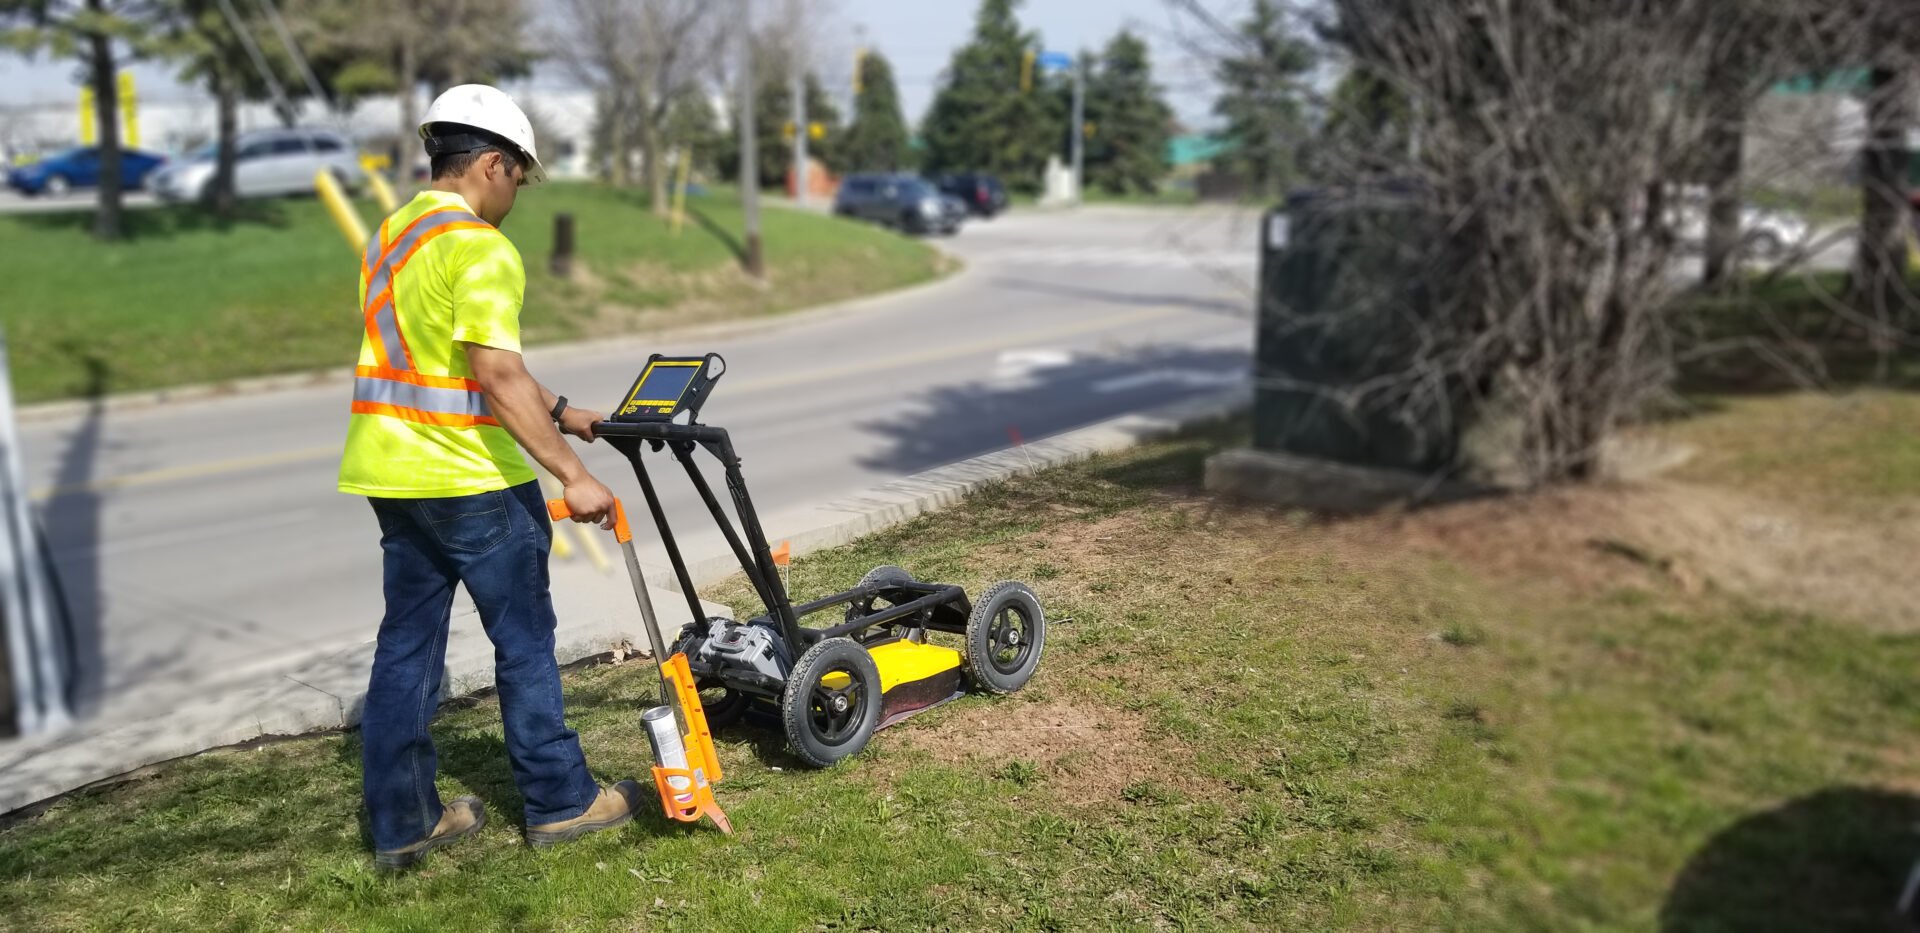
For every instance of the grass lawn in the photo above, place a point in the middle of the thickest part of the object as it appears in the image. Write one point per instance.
(1781, 334)
(1256, 720)
(188, 299)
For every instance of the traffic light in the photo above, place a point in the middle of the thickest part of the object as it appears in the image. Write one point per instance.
(859, 71)
(1026, 71)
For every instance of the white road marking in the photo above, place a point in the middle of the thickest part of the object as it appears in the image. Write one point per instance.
(1018, 364)
(1184, 378)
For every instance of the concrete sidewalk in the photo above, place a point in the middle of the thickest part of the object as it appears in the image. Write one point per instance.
(596, 609)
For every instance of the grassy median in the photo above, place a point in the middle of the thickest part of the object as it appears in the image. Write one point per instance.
(1508, 714)
(188, 298)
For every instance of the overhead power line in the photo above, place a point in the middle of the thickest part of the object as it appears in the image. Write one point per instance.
(293, 49)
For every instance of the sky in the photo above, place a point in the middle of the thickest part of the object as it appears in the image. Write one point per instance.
(918, 36)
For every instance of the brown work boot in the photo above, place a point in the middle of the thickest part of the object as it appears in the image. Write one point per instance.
(458, 820)
(614, 806)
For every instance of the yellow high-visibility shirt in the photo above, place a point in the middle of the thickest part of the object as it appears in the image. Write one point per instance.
(435, 275)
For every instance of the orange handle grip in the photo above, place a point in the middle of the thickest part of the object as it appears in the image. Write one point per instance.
(557, 508)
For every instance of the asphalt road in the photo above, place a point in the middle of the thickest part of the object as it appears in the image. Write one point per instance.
(204, 540)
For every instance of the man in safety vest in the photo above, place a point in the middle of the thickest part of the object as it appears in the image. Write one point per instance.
(440, 397)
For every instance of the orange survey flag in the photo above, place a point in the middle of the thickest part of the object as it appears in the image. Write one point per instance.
(783, 555)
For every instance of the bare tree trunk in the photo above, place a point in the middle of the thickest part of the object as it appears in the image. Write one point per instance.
(622, 138)
(229, 95)
(1725, 149)
(1880, 262)
(409, 81)
(654, 153)
(106, 107)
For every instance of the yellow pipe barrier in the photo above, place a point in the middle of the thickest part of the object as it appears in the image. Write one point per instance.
(383, 193)
(342, 211)
(680, 191)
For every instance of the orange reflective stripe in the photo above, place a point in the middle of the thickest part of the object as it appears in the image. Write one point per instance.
(419, 379)
(377, 280)
(374, 339)
(437, 419)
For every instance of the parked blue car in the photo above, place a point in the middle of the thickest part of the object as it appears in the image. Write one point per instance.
(64, 171)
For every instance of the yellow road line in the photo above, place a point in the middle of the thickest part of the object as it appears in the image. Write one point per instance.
(910, 359)
(239, 464)
(193, 471)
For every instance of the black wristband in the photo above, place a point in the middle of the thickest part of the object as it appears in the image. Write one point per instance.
(559, 407)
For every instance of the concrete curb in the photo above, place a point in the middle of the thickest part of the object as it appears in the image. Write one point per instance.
(325, 693)
(321, 694)
(340, 375)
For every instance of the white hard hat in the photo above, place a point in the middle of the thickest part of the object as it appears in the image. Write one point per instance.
(488, 108)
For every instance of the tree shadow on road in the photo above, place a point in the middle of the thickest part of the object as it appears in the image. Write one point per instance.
(1240, 308)
(73, 517)
(951, 424)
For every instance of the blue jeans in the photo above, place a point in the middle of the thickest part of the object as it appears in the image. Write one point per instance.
(496, 543)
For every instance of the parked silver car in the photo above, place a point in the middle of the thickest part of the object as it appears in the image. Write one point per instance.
(266, 163)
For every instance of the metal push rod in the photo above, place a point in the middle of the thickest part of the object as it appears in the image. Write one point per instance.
(666, 537)
(782, 607)
(683, 451)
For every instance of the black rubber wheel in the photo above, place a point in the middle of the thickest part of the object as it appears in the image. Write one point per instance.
(57, 186)
(885, 575)
(1005, 635)
(832, 702)
(724, 705)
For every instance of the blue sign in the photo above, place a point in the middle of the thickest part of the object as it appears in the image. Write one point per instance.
(1055, 60)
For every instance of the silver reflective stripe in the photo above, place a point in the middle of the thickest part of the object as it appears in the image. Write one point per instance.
(423, 398)
(373, 247)
(388, 319)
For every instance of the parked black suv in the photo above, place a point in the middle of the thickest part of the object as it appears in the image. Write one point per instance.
(905, 201)
(981, 193)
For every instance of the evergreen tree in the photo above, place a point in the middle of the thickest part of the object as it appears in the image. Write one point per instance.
(982, 119)
(877, 139)
(772, 112)
(1263, 113)
(1127, 150)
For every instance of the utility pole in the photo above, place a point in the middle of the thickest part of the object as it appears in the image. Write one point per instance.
(749, 146)
(1079, 126)
(799, 106)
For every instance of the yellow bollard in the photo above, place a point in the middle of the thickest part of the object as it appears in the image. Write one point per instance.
(680, 191)
(383, 193)
(342, 211)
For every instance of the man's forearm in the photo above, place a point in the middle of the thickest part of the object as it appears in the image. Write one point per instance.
(525, 408)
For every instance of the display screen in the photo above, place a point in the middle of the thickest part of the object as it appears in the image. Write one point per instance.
(662, 386)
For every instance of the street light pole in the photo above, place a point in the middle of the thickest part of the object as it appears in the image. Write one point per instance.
(749, 147)
(1079, 127)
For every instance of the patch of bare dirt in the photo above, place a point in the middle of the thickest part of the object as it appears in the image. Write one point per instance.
(1085, 752)
(1694, 537)
(1663, 533)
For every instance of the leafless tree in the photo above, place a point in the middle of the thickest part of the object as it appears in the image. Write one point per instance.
(640, 55)
(1512, 191)
(1886, 39)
